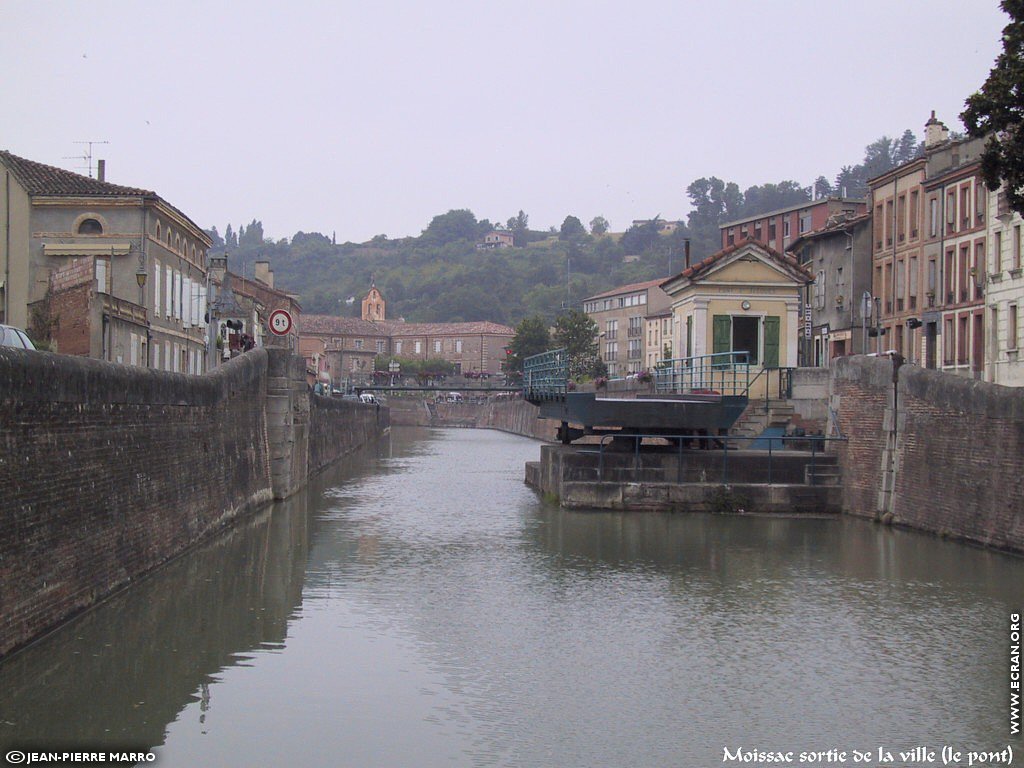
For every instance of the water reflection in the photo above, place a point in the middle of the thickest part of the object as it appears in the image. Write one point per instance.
(421, 606)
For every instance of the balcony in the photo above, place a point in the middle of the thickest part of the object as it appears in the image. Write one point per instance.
(635, 332)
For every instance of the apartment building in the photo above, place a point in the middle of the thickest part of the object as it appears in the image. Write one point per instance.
(621, 316)
(780, 228)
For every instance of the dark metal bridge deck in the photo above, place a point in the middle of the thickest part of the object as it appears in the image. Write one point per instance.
(451, 388)
(703, 394)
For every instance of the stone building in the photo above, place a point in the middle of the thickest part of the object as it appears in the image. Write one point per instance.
(780, 228)
(745, 298)
(127, 267)
(621, 316)
(1004, 293)
(345, 347)
(839, 257)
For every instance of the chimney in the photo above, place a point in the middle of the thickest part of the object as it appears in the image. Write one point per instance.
(935, 132)
(686, 254)
(101, 170)
(263, 274)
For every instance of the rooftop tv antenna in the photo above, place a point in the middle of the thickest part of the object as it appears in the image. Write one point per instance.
(88, 154)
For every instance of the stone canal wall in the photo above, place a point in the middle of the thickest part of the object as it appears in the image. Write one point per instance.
(513, 415)
(931, 451)
(108, 471)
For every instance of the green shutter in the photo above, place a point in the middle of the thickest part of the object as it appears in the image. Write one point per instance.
(771, 342)
(722, 334)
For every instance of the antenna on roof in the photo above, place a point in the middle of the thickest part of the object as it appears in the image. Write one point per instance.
(88, 154)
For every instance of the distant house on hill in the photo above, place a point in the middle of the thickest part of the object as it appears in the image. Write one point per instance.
(496, 238)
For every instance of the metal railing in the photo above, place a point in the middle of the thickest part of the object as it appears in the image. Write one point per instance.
(815, 444)
(546, 374)
(723, 373)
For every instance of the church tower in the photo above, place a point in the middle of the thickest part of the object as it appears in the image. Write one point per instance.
(373, 304)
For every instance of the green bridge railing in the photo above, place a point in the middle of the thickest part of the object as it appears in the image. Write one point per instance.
(546, 376)
(722, 373)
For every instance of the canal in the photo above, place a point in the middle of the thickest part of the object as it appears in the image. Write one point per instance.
(421, 606)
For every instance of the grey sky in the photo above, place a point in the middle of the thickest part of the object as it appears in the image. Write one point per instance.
(369, 118)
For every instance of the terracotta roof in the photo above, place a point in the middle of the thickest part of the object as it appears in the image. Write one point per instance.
(629, 288)
(332, 325)
(703, 266)
(447, 329)
(39, 179)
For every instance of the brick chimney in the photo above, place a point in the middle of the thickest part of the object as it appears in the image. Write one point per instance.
(101, 170)
(935, 132)
(263, 274)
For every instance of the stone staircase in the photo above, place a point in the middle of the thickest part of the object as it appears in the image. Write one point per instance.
(753, 422)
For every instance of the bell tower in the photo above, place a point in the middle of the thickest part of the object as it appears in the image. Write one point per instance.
(373, 304)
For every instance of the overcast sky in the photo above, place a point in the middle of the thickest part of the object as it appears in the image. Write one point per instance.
(371, 117)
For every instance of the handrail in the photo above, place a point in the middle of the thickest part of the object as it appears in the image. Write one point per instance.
(546, 374)
(724, 373)
(709, 440)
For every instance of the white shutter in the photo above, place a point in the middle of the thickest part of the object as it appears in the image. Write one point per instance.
(186, 304)
(156, 288)
(202, 305)
(101, 275)
(176, 298)
(168, 294)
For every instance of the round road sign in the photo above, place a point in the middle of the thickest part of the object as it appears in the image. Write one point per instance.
(280, 322)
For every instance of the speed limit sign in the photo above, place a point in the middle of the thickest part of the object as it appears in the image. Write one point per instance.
(280, 322)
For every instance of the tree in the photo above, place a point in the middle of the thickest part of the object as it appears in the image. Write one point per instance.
(997, 111)
(599, 226)
(230, 239)
(532, 338)
(519, 227)
(822, 188)
(640, 238)
(571, 228)
(448, 227)
(577, 333)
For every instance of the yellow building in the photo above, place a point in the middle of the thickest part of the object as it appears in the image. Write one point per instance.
(745, 298)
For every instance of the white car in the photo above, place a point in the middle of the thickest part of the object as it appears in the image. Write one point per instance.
(14, 337)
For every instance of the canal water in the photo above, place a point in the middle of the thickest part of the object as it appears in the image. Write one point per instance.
(421, 606)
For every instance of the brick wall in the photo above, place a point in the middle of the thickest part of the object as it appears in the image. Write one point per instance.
(949, 449)
(108, 471)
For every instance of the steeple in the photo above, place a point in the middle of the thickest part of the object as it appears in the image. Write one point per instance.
(373, 304)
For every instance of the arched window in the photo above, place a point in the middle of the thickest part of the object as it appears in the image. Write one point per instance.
(158, 230)
(90, 227)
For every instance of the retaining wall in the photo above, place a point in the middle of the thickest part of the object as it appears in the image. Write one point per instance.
(931, 451)
(108, 471)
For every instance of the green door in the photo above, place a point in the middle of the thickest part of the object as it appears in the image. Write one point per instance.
(721, 329)
(771, 342)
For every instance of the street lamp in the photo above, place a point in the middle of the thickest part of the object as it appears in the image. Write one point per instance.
(140, 278)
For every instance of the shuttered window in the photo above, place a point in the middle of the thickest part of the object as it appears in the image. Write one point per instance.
(771, 342)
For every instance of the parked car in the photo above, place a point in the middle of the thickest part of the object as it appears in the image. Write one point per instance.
(14, 337)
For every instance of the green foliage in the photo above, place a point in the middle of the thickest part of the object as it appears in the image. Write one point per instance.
(532, 338)
(577, 333)
(450, 227)
(571, 228)
(997, 111)
(599, 225)
(519, 227)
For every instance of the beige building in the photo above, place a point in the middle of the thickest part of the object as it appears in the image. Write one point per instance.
(659, 338)
(745, 298)
(129, 266)
(1004, 293)
(621, 316)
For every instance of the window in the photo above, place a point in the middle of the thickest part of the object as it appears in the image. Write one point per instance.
(901, 218)
(611, 351)
(913, 277)
(901, 284)
(1015, 264)
(437, 346)
(933, 275)
(742, 333)
(90, 227)
(785, 228)
(961, 339)
(418, 347)
(380, 347)
(933, 217)
(611, 330)
(888, 222)
(359, 343)
(636, 326)
(879, 224)
(635, 349)
(965, 206)
(102, 270)
(950, 212)
(948, 342)
(805, 222)
(819, 290)
(949, 275)
(1011, 327)
(168, 294)
(771, 231)
(997, 252)
(458, 346)
(979, 201)
(914, 213)
(979, 269)
(398, 347)
(965, 255)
